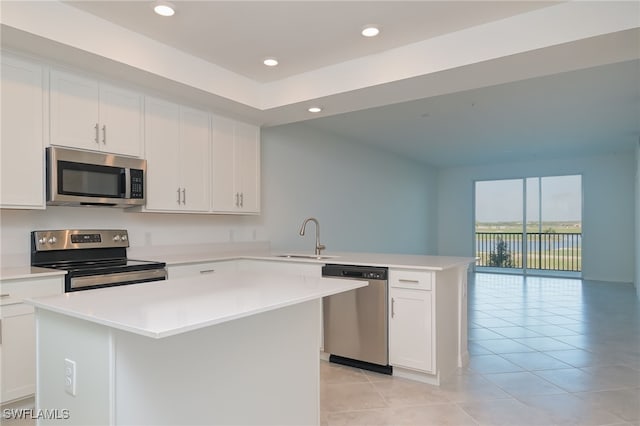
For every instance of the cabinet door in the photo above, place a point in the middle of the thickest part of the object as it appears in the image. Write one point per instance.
(74, 109)
(22, 138)
(18, 362)
(225, 197)
(120, 121)
(247, 140)
(411, 329)
(162, 136)
(195, 159)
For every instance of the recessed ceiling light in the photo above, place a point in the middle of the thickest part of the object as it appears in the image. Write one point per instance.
(164, 8)
(270, 62)
(370, 31)
(315, 109)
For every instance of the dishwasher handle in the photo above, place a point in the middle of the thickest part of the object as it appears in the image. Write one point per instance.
(353, 274)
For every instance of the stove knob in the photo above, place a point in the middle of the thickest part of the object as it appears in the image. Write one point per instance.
(42, 240)
(124, 238)
(116, 238)
(52, 240)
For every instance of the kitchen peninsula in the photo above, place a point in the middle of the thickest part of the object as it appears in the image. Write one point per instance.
(229, 348)
(427, 297)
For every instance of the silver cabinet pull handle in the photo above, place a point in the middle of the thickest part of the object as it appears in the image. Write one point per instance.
(242, 199)
(403, 280)
(104, 134)
(178, 195)
(184, 196)
(97, 139)
(208, 271)
(5, 295)
(393, 303)
(237, 199)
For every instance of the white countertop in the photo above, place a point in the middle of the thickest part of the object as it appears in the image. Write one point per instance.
(165, 308)
(405, 261)
(179, 255)
(19, 272)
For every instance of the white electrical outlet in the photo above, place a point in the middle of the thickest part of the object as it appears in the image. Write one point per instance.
(70, 377)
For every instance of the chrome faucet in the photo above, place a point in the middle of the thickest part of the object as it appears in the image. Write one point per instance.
(319, 247)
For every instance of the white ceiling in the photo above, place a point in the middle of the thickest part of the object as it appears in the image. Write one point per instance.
(580, 113)
(303, 35)
(447, 83)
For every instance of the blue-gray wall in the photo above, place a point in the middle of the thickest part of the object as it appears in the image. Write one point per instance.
(608, 209)
(637, 214)
(366, 200)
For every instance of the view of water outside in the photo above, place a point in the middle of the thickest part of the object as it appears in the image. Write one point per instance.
(553, 221)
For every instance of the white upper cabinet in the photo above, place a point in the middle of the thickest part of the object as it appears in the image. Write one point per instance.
(177, 142)
(236, 167)
(195, 157)
(22, 138)
(162, 133)
(247, 163)
(88, 114)
(121, 120)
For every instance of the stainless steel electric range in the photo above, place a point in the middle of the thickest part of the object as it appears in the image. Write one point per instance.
(92, 258)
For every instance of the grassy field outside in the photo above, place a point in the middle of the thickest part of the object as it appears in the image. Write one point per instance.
(532, 227)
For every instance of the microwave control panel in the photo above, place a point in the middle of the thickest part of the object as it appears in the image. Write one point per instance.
(137, 183)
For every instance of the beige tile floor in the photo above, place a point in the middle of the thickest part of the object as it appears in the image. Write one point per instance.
(544, 351)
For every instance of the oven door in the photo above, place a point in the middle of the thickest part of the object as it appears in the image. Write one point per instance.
(88, 282)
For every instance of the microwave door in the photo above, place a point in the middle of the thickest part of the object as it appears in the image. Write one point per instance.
(90, 180)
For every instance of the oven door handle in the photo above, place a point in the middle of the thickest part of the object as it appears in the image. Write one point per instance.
(119, 277)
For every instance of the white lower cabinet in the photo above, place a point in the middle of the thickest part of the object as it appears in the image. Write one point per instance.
(204, 268)
(411, 320)
(424, 328)
(17, 335)
(411, 329)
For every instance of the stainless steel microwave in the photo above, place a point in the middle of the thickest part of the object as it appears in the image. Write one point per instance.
(85, 178)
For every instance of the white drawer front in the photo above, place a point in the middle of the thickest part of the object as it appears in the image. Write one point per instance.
(419, 280)
(27, 288)
(197, 269)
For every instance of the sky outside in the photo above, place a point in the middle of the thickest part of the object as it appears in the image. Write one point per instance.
(501, 200)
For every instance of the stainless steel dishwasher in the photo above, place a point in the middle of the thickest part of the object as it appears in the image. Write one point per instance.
(356, 330)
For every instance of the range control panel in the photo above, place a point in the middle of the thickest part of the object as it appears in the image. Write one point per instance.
(79, 239)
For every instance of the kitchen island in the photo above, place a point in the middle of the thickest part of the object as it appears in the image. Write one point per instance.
(229, 348)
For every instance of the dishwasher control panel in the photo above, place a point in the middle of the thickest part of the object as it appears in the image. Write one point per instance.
(355, 272)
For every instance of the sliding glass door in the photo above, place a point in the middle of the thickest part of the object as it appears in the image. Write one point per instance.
(529, 225)
(499, 224)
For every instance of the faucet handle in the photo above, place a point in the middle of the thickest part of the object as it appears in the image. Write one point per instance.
(320, 247)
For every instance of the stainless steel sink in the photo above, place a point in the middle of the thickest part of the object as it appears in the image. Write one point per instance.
(306, 256)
